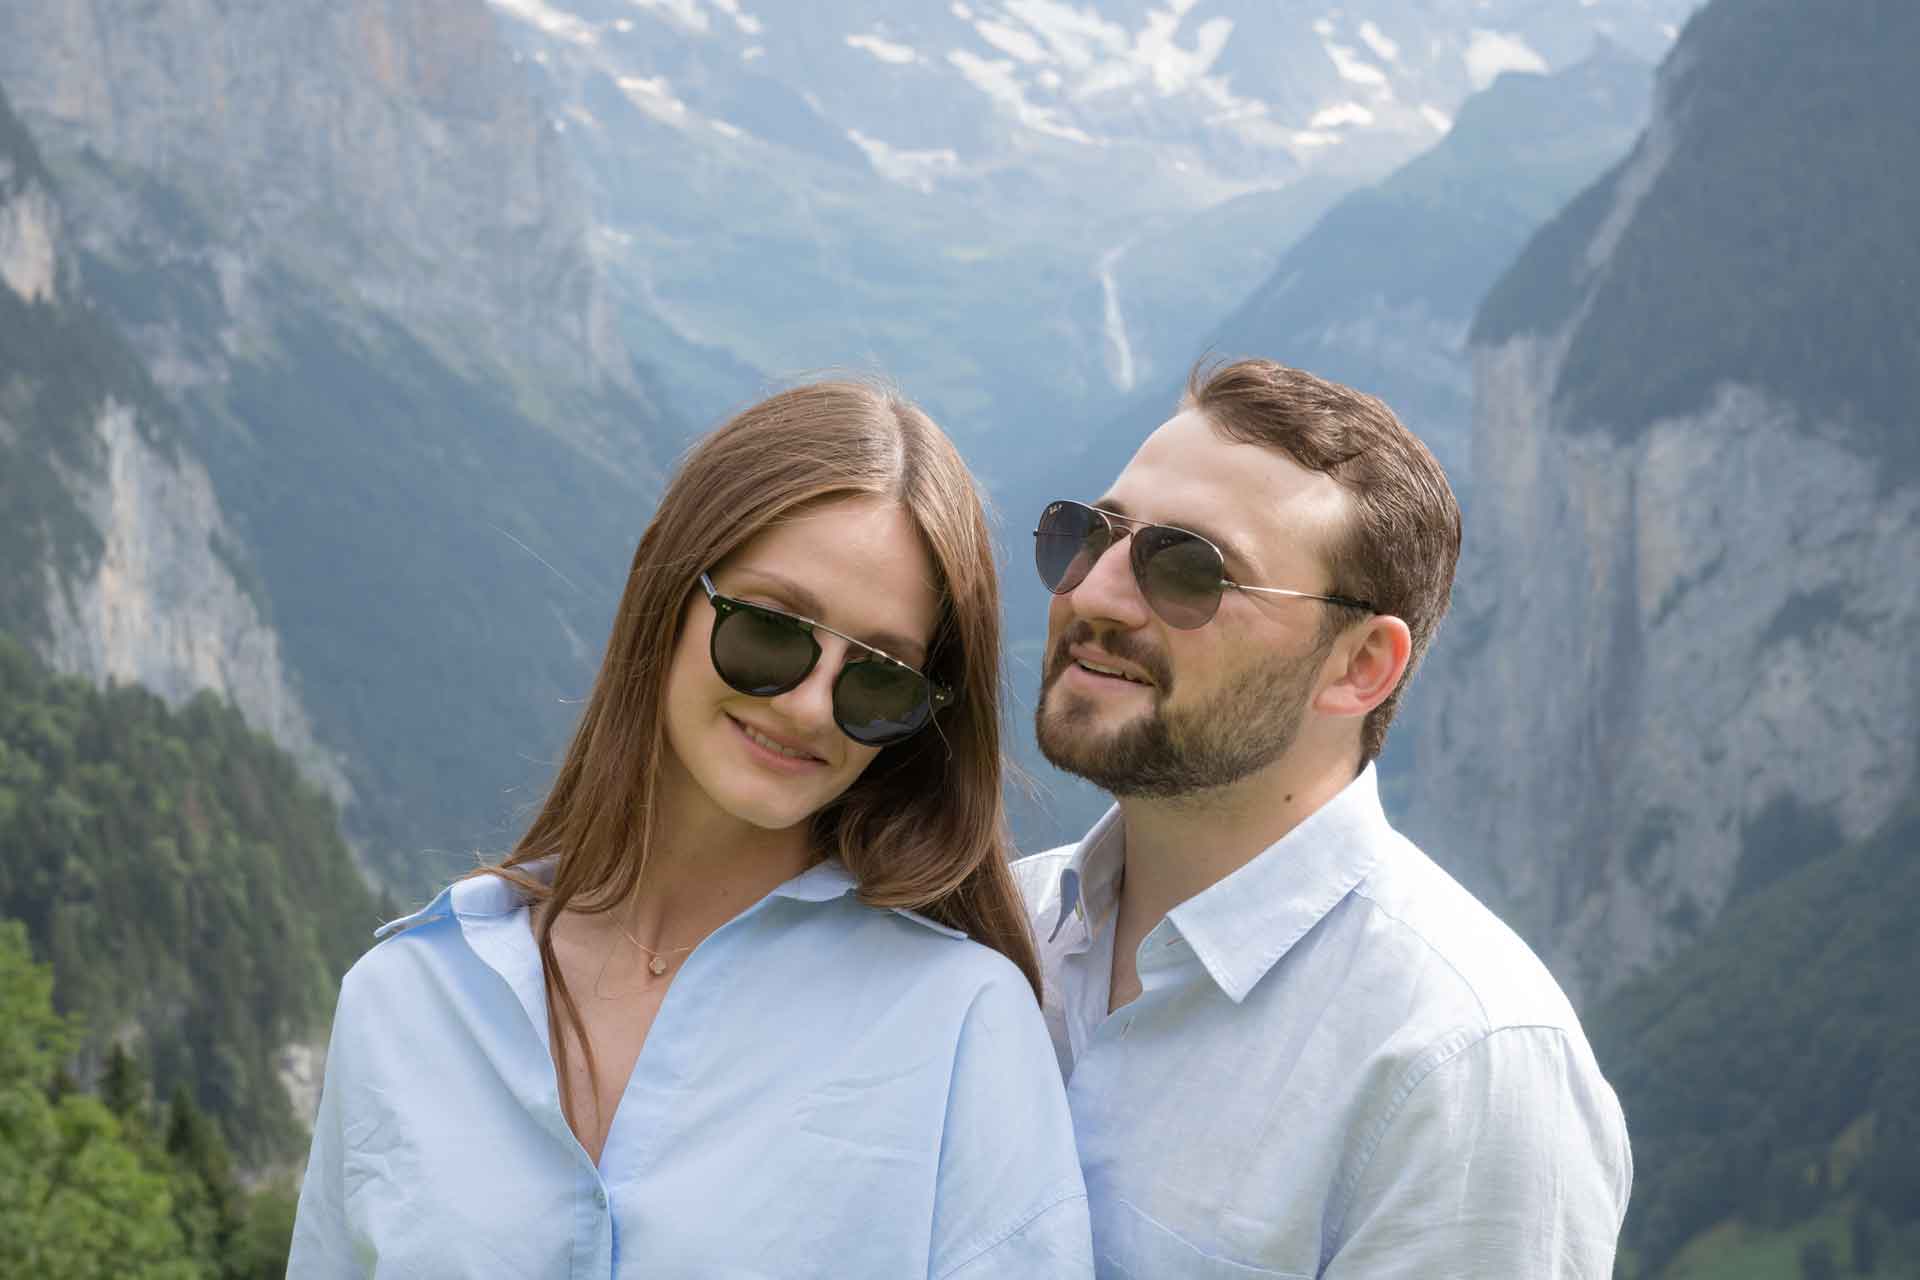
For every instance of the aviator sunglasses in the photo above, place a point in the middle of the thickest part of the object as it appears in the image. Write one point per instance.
(1180, 574)
(762, 652)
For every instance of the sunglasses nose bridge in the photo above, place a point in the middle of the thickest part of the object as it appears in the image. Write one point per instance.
(1097, 591)
(1098, 544)
(808, 701)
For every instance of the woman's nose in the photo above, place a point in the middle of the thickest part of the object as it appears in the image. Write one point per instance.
(809, 704)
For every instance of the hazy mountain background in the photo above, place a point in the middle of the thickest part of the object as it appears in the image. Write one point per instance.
(343, 347)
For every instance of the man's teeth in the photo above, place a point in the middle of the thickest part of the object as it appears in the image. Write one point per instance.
(771, 745)
(1109, 671)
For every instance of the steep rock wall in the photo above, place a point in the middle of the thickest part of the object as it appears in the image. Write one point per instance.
(162, 607)
(1666, 658)
(391, 156)
(1681, 662)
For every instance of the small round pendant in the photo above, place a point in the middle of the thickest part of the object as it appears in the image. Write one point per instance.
(658, 965)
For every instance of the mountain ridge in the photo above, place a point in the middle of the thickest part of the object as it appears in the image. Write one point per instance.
(345, 244)
(1674, 640)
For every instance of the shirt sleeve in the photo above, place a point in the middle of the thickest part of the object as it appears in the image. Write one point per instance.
(322, 1247)
(1507, 1161)
(1009, 1198)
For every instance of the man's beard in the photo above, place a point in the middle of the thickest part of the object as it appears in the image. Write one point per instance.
(1238, 731)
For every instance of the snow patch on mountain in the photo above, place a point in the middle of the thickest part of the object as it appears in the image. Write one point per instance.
(1491, 52)
(1338, 114)
(741, 18)
(655, 97)
(1376, 40)
(684, 13)
(546, 18)
(885, 50)
(995, 77)
(1077, 38)
(1023, 45)
(915, 169)
(1346, 59)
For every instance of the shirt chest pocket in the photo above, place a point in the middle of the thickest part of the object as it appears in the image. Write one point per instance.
(1129, 1245)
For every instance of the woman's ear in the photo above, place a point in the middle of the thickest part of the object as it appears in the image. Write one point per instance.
(1365, 667)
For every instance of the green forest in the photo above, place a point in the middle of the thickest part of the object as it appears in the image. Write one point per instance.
(176, 910)
(1771, 1080)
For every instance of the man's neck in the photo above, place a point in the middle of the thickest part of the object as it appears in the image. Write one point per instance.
(1178, 848)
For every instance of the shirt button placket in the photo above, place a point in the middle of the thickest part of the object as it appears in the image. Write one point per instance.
(597, 1259)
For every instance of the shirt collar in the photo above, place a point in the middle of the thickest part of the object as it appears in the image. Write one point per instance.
(473, 897)
(482, 897)
(1092, 871)
(1240, 926)
(825, 881)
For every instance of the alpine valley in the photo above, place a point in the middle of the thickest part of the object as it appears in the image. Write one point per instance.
(344, 347)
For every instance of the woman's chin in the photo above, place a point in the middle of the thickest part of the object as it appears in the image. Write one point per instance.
(773, 809)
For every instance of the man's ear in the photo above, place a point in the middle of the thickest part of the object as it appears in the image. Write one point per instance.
(1365, 667)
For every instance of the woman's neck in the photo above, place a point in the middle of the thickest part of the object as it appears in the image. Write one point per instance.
(705, 867)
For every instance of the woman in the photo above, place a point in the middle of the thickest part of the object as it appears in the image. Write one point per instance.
(718, 1014)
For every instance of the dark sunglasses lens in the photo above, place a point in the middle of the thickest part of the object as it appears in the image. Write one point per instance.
(877, 702)
(1069, 538)
(1180, 575)
(761, 653)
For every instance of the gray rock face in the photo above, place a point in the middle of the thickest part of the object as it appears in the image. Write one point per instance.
(28, 221)
(390, 155)
(343, 240)
(160, 604)
(1680, 656)
(162, 609)
(1656, 646)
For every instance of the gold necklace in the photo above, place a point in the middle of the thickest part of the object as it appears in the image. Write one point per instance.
(657, 961)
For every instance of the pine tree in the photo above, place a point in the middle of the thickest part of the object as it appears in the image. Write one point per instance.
(1863, 1239)
(124, 1089)
(76, 1201)
(1816, 1261)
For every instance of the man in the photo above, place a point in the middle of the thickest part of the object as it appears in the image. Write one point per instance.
(1294, 1046)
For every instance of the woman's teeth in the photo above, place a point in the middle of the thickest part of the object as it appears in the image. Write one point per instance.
(771, 745)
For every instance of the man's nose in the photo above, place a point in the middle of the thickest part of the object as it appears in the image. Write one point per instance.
(1109, 592)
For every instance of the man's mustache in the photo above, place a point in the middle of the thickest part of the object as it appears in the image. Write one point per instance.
(1120, 644)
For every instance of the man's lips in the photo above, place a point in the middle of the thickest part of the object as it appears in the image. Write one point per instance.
(1100, 663)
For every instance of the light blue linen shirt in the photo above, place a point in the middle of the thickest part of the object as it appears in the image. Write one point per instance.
(828, 1089)
(1340, 1065)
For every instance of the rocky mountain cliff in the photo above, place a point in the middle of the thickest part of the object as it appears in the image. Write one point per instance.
(390, 155)
(1381, 292)
(1680, 663)
(119, 563)
(144, 843)
(345, 243)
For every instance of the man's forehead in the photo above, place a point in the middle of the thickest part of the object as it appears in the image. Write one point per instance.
(1238, 495)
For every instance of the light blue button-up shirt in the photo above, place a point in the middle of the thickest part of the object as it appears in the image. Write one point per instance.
(1340, 1065)
(828, 1089)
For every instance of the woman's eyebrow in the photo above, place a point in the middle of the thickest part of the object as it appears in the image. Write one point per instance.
(803, 601)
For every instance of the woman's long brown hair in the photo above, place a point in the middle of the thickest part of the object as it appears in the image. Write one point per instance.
(923, 827)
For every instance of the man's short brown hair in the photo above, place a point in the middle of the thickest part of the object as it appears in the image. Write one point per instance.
(1402, 544)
